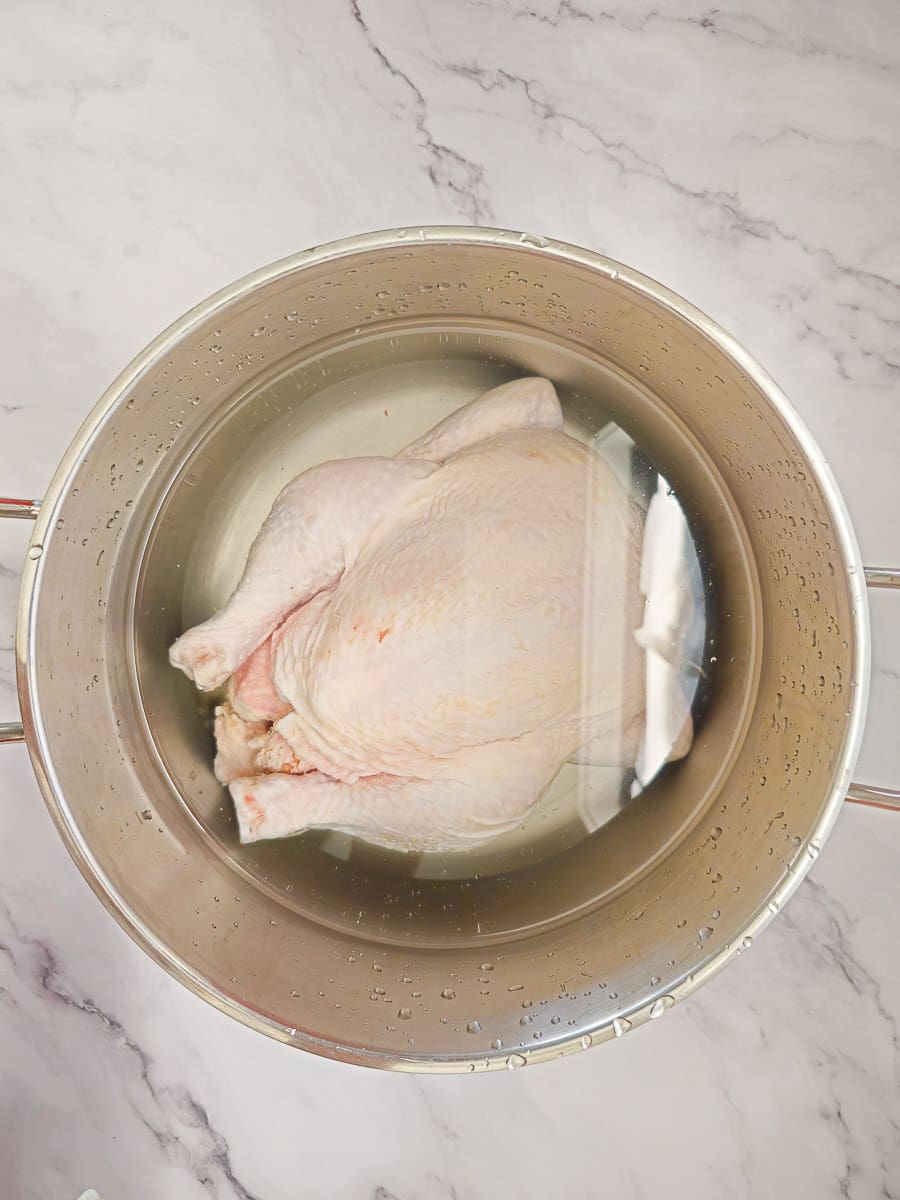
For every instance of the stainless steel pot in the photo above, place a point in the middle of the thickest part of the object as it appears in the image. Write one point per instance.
(324, 946)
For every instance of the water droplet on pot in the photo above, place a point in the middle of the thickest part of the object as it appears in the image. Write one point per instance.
(586, 1041)
(747, 942)
(516, 1060)
(663, 1004)
(473, 1027)
(448, 994)
(35, 551)
(404, 1013)
(497, 1044)
(621, 1025)
(705, 931)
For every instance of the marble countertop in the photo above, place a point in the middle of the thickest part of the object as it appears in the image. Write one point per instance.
(747, 155)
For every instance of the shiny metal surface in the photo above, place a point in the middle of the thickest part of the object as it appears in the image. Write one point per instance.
(26, 510)
(883, 577)
(860, 793)
(14, 731)
(356, 959)
(874, 797)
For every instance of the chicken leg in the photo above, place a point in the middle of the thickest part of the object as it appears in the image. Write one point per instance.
(483, 791)
(315, 529)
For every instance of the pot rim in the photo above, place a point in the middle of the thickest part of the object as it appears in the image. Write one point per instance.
(35, 733)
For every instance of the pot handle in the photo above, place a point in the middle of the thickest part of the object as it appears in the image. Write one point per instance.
(861, 793)
(26, 510)
(858, 793)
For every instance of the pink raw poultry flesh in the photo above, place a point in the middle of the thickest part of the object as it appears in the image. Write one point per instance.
(419, 643)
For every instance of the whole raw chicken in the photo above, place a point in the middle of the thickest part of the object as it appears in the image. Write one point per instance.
(419, 643)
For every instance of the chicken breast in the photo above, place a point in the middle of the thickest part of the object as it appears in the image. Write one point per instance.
(428, 638)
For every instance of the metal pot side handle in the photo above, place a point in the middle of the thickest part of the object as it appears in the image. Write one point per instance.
(23, 510)
(858, 793)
